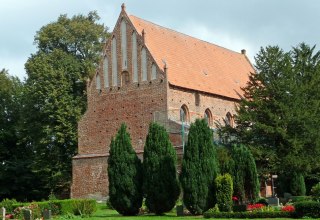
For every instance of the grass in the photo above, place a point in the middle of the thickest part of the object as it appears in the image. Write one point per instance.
(103, 213)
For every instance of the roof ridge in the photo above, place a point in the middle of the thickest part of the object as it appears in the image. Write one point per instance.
(213, 44)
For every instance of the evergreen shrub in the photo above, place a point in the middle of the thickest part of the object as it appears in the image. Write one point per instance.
(125, 175)
(297, 184)
(199, 169)
(224, 191)
(160, 183)
(307, 209)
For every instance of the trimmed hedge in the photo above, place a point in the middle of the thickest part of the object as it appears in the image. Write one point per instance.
(63, 207)
(307, 208)
(295, 199)
(264, 214)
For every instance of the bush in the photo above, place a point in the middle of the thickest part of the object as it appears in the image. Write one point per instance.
(295, 199)
(308, 208)
(239, 208)
(224, 191)
(315, 192)
(8, 204)
(60, 207)
(264, 214)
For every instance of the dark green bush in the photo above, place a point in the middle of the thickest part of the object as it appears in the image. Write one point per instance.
(315, 192)
(295, 199)
(263, 201)
(239, 208)
(265, 214)
(224, 191)
(307, 208)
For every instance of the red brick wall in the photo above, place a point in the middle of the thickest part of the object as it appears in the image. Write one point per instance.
(219, 106)
(133, 104)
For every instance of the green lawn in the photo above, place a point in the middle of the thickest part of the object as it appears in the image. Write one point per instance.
(103, 213)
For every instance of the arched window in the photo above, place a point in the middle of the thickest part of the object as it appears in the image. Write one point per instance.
(229, 120)
(105, 72)
(98, 82)
(208, 117)
(144, 64)
(114, 62)
(134, 57)
(184, 114)
(124, 44)
(153, 71)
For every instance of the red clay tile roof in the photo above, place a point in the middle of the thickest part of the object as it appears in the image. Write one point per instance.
(193, 63)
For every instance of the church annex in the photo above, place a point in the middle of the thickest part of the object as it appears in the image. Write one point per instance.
(151, 73)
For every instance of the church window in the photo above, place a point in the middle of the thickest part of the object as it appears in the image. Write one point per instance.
(98, 82)
(208, 117)
(184, 114)
(153, 71)
(134, 57)
(197, 98)
(114, 63)
(144, 64)
(105, 72)
(124, 44)
(229, 120)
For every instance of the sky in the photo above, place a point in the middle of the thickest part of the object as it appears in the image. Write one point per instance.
(234, 24)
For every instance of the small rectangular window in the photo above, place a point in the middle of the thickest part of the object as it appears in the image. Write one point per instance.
(197, 98)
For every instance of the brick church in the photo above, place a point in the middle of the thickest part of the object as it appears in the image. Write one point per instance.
(151, 73)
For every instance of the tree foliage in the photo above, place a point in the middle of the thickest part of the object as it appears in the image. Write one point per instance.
(160, 182)
(199, 169)
(54, 95)
(278, 115)
(224, 192)
(125, 175)
(15, 158)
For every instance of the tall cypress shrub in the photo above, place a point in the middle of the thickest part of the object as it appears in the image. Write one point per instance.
(160, 185)
(245, 177)
(125, 175)
(297, 184)
(224, 192)
(199, 169)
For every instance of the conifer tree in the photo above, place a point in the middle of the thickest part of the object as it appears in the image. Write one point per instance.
(125, 175)
(245, 177)
(160, 186)
(199, 169)
(297, 184)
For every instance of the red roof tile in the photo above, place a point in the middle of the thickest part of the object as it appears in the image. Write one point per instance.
(193, 63)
